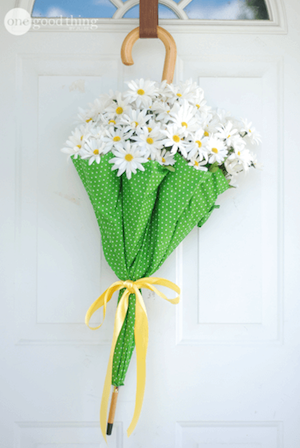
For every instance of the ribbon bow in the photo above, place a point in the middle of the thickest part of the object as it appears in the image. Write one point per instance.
(140, 336)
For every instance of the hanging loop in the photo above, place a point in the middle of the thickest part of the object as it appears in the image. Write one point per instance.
(170, 46)
(148, 19)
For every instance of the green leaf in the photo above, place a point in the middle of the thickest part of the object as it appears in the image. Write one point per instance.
(213, 168)
(170, 168)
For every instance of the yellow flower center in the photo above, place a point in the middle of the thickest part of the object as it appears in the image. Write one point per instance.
(150, 140)
(135, 123)
(119, 110)
(81, 137)
(96, 151)
(79, 146)
(214, 150)
(239, 153)
(168, 111)
(183, 123)
(149, 129)
(196, 163)
(163, 160)
(179, 94)
(228, 136)
(206, 134)
(116, 138)
(176, 138)
(141, 92)
(128, 157)
(198, 106)
(198, 143)
(89, 119)
(250, 130)
(112, 121)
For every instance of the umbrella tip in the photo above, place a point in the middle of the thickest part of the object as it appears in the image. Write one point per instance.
(112, 411)
(109, 429)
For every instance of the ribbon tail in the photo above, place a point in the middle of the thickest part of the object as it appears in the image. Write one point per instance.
(141, 334)
(119, 320)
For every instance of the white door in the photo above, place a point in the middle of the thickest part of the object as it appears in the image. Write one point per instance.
(223, 366)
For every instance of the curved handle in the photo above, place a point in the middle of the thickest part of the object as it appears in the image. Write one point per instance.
(170, 46)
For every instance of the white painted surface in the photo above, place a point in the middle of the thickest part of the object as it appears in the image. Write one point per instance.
(222, 367)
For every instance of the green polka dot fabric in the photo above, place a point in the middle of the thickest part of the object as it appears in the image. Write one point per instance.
(142, 220)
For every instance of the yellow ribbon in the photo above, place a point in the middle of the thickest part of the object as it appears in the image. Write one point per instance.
(140, 335)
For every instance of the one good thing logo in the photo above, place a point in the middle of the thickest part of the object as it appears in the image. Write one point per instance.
(17, 21)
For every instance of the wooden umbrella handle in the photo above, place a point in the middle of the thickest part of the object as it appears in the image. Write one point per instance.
(170, 46)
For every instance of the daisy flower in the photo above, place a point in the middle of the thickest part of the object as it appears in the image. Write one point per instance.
(118, 107)
(162, 90)
(185, 91)
(196, 144)
(76, 141)
(254, 161)
(184, 118)
(251, 133)
(197, 162)
(128, 159)
(216, 150)
(141, 92)
(135, 119)
(227, 133)
(115, 136)
(153, 124)
(242, 157)
(149, 141)
(233, 167)
(164, 157)
(106, 120)
(174, 139)
(92, 150)
(97, 132)
(84, 115)
(162, 111)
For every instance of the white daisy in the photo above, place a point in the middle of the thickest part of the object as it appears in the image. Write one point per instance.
(97, 131)
(203, 110)
(164, 157)
(135, 119)
(141, 92)
(174, 139)
(115, 136)
(242, 157)
(196, 144)
(198, 163)
(233, 167)
(251, 133)
(162, 111)
(128, 158)
(92, 150)
(149, 141)
(76, 141)
(227, 133)
(254, 161)
(217, 151)
(106, 120)
(118, 107)
(184, 118)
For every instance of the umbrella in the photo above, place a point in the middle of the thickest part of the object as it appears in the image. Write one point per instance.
(146, 208)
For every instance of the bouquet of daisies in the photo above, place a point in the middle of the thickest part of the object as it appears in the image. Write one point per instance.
(153, 161)
(153, 122)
